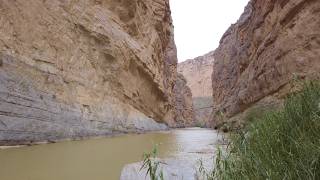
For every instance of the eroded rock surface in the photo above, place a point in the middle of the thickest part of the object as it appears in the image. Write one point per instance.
(184, 107)
(272, 43)
(198, 73)
(71, 69)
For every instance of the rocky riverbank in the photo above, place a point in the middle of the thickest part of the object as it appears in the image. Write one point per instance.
(86, 68)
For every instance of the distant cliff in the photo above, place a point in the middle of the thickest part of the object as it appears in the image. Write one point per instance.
(185, 116)
(198, 73)
(272, 43)
(86, 68)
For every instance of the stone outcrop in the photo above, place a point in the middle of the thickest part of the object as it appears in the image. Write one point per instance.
(272, 43)
(184, 105)
(72, 69)
(198, 73)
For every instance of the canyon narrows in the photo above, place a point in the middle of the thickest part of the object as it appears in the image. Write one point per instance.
(87, 68)
(90, 68)
(106, 72)
(198, 73)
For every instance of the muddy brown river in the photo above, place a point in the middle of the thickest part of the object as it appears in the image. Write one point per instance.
(101, 159)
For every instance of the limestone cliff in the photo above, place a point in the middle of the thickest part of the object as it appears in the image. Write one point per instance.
(184, 107)
(72, 69)
(272, 42)
(198, 73)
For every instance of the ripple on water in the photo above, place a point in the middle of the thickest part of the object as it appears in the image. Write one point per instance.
(102, 159)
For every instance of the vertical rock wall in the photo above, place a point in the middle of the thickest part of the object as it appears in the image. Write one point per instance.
(273, 42)
(72, 69)
(198, 73)
(185, 116)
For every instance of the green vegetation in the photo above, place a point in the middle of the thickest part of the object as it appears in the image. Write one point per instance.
(256, 113)
(200, 124)
(205, 173)
(283, 144)
(151, 163)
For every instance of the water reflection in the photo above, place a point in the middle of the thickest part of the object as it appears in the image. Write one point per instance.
(99, 159)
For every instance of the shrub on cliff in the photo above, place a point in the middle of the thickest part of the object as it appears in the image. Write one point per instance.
(283, 144)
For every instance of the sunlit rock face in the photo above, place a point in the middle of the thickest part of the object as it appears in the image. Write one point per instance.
(72, 69)
(273, 42)
(198, 73)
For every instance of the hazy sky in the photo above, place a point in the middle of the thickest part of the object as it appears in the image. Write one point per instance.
(199, 24)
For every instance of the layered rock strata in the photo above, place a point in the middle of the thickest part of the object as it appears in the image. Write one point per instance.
(198, 73)
(72, 69)
(185, 116)
(272, 43)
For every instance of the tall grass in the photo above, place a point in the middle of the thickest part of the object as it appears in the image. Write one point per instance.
(152, 164)
(282, 144)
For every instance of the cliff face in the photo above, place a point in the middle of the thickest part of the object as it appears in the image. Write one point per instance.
(71, 69)
(198, 73)
(185, 116)
(258, 57)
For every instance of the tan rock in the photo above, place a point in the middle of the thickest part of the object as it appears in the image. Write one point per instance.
(73, 69)
(183, 105)
(198, 73)
(271, 43)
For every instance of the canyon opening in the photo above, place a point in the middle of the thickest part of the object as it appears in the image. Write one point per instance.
(159, 89)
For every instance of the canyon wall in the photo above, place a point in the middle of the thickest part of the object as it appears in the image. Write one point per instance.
(72, 69)
(273, 43)
(198, 73)
(185, 116)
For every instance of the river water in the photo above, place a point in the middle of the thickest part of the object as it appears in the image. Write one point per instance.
(102, 159)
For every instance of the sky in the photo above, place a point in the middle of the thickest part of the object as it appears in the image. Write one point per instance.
(200, 24)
